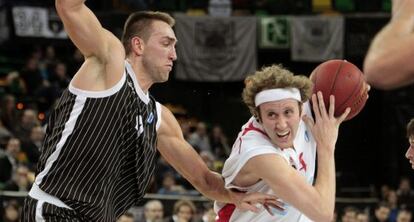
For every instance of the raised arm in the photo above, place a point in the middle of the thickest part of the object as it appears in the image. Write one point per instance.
(84, 29)
(387, 64)
(316, 202)
(188, 163)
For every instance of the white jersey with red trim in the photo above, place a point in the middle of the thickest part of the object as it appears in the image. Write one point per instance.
(253, 141)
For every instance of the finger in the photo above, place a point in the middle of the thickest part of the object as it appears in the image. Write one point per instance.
(268, 209)
(344, 115)
(250, 207)
(321, 104)
(259, 197)
(315, 107)
(276, 204)
(331, 106)
(277, 207)
(368, 87)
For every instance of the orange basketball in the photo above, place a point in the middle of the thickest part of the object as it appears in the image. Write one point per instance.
(343, 80)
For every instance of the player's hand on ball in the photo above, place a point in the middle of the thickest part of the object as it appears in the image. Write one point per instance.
(325, 126)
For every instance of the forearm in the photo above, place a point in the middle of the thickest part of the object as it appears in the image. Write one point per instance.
(385, 65)
(69, 3)
(325, 183)
(212, 187)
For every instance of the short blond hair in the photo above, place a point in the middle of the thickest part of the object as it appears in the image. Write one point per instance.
(139, 24)
(273, 77)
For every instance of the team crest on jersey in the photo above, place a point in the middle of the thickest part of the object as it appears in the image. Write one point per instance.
(306, 136)
(150, 118)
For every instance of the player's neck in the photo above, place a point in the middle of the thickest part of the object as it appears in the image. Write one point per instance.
(143, 78)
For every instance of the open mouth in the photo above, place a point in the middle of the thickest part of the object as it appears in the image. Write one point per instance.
(283, 135)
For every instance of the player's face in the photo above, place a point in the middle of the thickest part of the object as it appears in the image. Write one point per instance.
(159, 51)
(280, 120)
(410, 152)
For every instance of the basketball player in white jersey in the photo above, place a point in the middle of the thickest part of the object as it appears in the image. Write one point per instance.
(275, 152)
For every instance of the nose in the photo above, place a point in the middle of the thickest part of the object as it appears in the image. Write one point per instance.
(173, 54)
(281, 123)
(409, 152)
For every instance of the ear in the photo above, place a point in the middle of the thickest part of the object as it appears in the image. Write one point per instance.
(137, 45)
(301, 107)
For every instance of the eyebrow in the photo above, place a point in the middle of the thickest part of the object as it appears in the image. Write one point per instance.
(170, 38)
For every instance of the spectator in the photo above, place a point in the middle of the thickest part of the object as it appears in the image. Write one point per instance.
(32, 145)
(170, 186)
(9, 159)
(219, 143)
(153, 211)
(9, 115)
(126, 217)
(27, 122)
(392, 200)
(382, 212)
(199, 139)
(20, 180)
(405, 194)
(404, 216)
(362, 217)
(349, 214)
(11, 211)
(184, 211)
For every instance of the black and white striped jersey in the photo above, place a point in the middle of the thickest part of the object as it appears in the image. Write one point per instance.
(99, 151)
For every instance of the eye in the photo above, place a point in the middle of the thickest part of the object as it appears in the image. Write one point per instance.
(271, 115)
(288, 112)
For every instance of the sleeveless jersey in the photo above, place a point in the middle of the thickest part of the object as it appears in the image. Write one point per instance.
(253, 141)
(100, 147)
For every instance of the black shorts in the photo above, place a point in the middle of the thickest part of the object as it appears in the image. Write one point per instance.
(48, 212)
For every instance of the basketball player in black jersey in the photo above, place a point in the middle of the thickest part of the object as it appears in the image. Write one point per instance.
(102, 137)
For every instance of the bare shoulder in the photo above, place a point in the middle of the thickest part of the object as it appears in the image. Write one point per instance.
(169, 124)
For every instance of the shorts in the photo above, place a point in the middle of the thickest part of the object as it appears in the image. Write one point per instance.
(39, 211)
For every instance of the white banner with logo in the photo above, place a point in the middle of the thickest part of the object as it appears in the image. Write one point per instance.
(37, 22)
(215, 49)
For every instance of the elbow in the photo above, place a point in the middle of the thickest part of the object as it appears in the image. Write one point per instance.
(376, 77)
(326, 216)
(378, 82)
(66, 5)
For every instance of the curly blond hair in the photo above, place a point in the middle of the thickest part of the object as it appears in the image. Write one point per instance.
(272, 77)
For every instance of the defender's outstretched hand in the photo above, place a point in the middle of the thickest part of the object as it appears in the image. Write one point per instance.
(249, 201)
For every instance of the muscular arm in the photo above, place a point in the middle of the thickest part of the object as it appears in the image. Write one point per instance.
(316, 202)
(387, 64)
(85, 31)
(103, 52)
(186, 161)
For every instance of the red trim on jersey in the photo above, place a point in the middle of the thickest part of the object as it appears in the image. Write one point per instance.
(249, 128)
(302, 162)
(225, 213)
